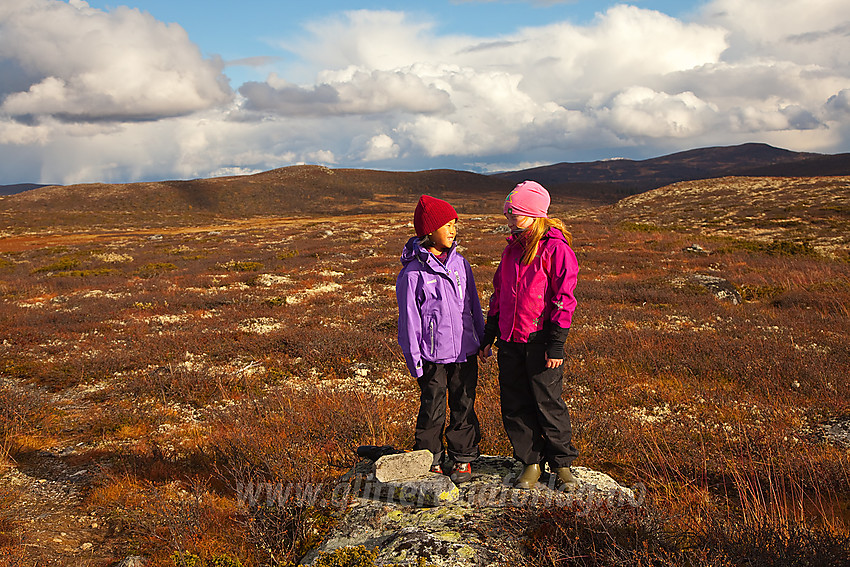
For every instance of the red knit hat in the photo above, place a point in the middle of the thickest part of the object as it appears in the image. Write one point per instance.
(430, 214)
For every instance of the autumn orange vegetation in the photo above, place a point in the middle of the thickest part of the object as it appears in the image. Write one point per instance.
(172, 366)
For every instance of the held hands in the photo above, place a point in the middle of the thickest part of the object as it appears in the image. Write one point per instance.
(485, 353)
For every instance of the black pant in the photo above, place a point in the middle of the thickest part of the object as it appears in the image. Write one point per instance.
(464, 432)
(536, 418)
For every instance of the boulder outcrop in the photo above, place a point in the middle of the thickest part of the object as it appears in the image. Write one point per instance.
(429, 517)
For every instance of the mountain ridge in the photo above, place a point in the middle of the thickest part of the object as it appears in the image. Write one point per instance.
(16, 188)
(745, 160)
(317, 190)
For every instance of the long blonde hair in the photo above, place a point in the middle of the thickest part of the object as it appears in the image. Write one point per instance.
(531, 236)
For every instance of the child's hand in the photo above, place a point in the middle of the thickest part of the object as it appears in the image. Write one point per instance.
(485, 353)
(553, 362)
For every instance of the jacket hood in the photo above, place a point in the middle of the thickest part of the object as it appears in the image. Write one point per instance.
(413, 250)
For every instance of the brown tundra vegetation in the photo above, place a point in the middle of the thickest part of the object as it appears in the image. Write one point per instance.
(145, 373)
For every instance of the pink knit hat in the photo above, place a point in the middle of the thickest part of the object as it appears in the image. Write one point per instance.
(529, 198)
(430, 214)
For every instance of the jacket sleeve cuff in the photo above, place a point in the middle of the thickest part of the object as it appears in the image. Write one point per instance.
(555, 342)
(491, 330)
(414, 365)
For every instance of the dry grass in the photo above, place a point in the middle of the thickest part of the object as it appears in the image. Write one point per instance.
(171, 365)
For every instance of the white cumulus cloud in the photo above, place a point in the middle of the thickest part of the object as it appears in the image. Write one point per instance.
(80, 64)
(380, 147)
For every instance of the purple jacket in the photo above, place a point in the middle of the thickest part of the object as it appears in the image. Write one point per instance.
(439, 313)
(525, 298)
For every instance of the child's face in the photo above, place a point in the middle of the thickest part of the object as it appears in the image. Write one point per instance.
(518, 222)
(443, 237)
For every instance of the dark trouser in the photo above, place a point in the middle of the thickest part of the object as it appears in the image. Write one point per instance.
(536, 418)
(464, 432)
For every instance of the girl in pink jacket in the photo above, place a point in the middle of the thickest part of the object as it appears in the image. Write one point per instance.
(529, 317)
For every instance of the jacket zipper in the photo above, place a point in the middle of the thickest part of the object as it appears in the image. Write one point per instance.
(431, 328)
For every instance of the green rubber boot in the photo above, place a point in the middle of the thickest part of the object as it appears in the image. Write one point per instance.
(566, 476)
(528, 478)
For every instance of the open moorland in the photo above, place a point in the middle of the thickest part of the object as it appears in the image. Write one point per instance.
(146, 370)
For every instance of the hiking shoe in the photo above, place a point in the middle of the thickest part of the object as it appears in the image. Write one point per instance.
(565, 475)
(529, 477)
(436, 469)
(461, 472)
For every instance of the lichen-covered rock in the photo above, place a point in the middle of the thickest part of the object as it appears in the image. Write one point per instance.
(428, 490)
(721, 288)
(696, 249)
(838, 432)
(449, 534)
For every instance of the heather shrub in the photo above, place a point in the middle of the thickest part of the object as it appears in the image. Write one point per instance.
(241, 266)
(572, 536)
(61, 265)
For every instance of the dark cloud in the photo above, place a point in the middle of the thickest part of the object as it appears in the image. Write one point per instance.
(842, 30)
(286, 100)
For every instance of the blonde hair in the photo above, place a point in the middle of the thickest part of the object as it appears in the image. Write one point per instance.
(531, 236)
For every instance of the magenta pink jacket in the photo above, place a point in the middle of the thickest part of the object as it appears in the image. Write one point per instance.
(525, 298)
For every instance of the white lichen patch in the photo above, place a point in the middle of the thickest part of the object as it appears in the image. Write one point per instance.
(671, 324)
(270, 280)
(113, 258)
(99, 293)
(30, 304)
(193, 362)
(651, 415)
(260, 325)
(166, 319)
(682, 323)
(363, 380)
(313, 291)
(813, 347)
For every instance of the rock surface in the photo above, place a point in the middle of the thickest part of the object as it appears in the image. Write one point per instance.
(449, 532)
(403, 465)
(696, 249)
(721, 288)
(838, 432)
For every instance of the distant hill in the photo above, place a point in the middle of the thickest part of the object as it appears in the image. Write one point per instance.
(297, 190)
(18, 188)
(815, 210)
(817, 166)
(637, 176)
(315, 190)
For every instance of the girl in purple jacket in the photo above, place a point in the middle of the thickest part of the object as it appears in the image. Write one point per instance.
(440, 326)
(530, 315)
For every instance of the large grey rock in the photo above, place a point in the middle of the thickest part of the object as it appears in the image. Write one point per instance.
(721, 288)
(448, 533)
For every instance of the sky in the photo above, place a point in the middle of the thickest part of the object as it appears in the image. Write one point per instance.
(140, 90)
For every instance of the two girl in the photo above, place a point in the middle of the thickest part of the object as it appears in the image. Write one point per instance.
(529, 316)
